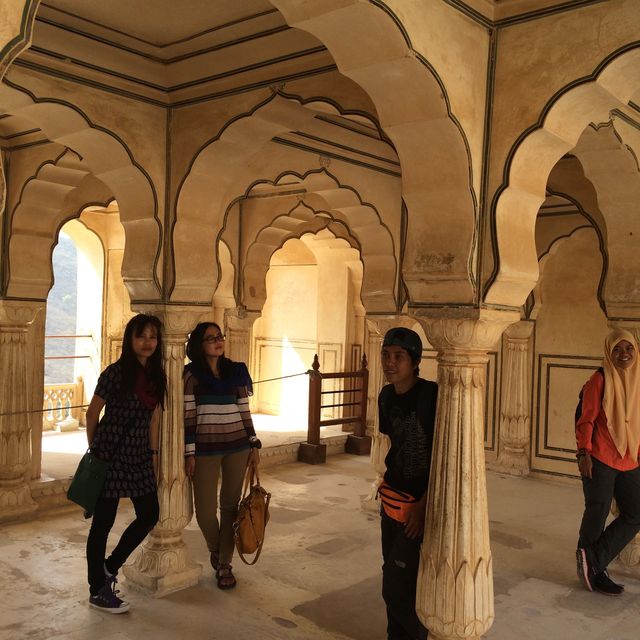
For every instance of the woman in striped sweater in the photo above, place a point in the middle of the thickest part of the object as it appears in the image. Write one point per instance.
(219, 439)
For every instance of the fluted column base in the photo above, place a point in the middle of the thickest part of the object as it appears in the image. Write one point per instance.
(163, 565)
(513, 461)
(15, 500)
(630, 555)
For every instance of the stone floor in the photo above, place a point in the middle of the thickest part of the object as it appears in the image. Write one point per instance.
(319, 576)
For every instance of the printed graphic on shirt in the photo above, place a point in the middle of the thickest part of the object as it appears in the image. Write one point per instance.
(411, 447)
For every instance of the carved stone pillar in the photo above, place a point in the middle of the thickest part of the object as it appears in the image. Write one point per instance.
(455, 580)
(377, 326)
(239, 331)
(515, 416)
(163, 564)
(15, 394)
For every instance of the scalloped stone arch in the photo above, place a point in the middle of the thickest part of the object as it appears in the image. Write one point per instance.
(201, 201)
(553, 249)
(613, 170)
(353, 221)
(235, 156)
(533, 160)
(372, 49)
(58, 192)
(110, 162)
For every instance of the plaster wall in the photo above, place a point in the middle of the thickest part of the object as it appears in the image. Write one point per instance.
(335, 304)
(570, 320)
(457, 48)
(569, 333)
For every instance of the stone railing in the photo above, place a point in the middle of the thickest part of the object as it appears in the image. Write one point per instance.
(61, 410)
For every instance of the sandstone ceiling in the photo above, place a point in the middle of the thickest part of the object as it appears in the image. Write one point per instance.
(170, 53)
(175, 54)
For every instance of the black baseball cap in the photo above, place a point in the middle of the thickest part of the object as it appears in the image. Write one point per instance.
(405, 338)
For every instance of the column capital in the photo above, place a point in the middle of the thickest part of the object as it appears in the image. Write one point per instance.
(520, 330)
(380, 324)
(20, 314)
(240, 318)
(178, 319)
(455, 329)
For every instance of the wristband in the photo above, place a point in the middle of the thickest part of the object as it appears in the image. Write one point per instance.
(255, 443)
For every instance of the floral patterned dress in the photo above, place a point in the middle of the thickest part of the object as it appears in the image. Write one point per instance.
(122, 438)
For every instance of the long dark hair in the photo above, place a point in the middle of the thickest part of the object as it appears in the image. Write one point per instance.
(130, 365)
(195, 353)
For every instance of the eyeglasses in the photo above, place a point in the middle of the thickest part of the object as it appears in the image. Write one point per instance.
(211, 339)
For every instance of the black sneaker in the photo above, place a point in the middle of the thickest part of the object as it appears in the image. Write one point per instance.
(585, 574)
(107, 599)
(602, 583)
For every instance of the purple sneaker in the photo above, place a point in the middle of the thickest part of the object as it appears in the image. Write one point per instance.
(107, 599)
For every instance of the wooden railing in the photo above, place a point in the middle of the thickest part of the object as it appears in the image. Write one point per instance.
(60, 410)
(353, 409)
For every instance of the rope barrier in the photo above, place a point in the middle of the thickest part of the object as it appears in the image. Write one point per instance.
(84, 406)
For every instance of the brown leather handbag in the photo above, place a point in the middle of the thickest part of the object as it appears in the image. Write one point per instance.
(253, 515)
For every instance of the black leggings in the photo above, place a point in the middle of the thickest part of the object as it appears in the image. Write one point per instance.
(147, 513)
(401, 557)
(604, 544)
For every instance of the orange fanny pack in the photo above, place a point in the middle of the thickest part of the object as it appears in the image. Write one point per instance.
(396, 504)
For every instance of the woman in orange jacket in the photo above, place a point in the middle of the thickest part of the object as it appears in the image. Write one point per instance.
(608, 441)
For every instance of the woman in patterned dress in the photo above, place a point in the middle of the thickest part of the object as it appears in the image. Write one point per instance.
(132, 392)
(219, 440)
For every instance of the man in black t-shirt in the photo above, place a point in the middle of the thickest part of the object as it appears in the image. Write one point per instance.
(407, 408)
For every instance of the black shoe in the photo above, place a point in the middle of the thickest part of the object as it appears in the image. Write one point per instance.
(602, 583)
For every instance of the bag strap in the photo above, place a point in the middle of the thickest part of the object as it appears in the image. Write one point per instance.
(259, 549)
(251, 478)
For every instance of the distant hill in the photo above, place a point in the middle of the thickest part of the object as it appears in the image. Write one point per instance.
(61, 312)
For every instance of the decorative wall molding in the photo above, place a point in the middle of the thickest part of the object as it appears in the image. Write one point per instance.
(558, 376)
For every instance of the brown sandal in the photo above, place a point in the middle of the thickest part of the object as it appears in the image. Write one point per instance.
(225, 577)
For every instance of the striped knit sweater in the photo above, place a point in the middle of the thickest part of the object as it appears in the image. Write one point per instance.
(216, 416)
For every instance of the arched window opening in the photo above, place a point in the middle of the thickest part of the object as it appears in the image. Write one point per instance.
(313, 306)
